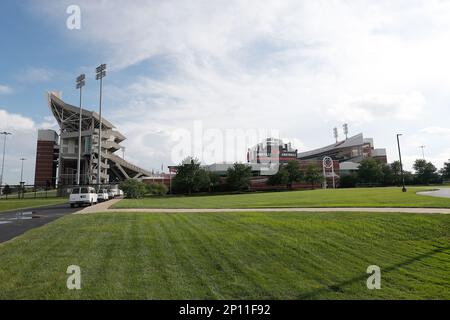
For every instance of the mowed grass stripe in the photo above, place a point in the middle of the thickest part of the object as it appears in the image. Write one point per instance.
(358, 197)
(231, 256)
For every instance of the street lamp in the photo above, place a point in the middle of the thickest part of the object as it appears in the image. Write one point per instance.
(4, 133)
(21, 170)
(100, 73)
(80, 84)
(401, 165)
(22, 183)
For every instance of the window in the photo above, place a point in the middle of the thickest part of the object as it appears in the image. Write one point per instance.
(84, 190)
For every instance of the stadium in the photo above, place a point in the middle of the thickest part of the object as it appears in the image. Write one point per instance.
(57, 153)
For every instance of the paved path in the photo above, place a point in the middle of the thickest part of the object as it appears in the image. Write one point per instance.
(441, 193)
(15, 222)
(104, 207)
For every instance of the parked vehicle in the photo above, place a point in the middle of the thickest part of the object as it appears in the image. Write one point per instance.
(111, 193)
(102, 195)
(82, 196)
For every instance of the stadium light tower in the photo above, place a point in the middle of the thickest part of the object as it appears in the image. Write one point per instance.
(335, 133)
(4, 133)
(401, 165)
(80, 84)
(345, 127)
(100, 74)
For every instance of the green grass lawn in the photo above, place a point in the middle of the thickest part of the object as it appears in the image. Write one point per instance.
(12, 204)
(231, 256)
(362, 197)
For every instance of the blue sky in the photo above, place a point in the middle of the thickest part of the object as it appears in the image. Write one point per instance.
(298, 67)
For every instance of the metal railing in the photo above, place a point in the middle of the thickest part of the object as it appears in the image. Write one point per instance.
(39, 192)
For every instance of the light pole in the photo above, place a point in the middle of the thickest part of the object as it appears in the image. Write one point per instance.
(21, 170)
(423, 153)
(401, 165)
(4, 133)
(100, 73)
(22, 183)
(80, 85)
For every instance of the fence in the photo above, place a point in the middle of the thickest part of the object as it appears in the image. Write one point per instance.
(37, 192)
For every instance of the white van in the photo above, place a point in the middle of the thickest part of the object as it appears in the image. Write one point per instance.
(83, 195)
(102, 195)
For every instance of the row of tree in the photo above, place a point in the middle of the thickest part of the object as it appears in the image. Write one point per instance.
(372, 172)
(191, 177)
(290, 173)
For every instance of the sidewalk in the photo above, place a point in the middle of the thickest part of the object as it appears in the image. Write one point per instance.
(104, 207)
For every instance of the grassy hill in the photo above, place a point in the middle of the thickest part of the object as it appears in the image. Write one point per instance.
(360, 197)
(231, 256)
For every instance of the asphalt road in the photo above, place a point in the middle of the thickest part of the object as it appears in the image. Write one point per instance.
(14, 223)
(441, 193)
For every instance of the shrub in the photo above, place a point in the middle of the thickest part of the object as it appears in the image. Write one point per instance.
(348, 180)
(133, 188)
(158, 189)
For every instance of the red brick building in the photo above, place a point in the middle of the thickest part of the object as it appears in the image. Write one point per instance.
(46, 158)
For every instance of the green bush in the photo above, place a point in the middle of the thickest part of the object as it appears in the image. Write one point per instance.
(157, 189)
(133, 188)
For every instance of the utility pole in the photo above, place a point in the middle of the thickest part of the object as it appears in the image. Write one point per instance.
(100, 74)
(401, 165)
(80, 85)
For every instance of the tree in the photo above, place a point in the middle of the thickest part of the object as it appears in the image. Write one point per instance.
(133, 188)
(388, 177)
(396, 173)
(348, 180)
(313, 174)
(7, 190)
(279, 178)
(445, 171)
(214, 180)
(190, 177)
(287, 174)
(370, 171)
(293, 172)
(158, 189)
(425, 171)
(238, 177)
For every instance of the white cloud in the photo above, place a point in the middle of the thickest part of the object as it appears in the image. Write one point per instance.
(5, 89)
(35, 75)
(297, 66)
(437, 131)
(381, 106)
(15, 122)
(22, 143)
